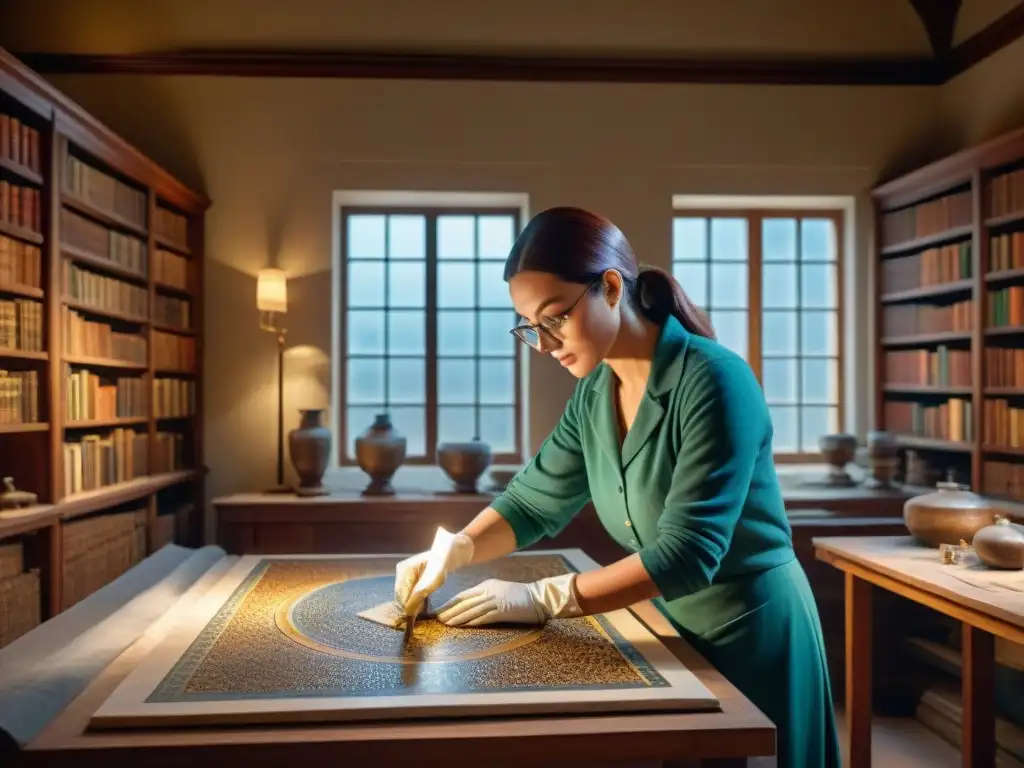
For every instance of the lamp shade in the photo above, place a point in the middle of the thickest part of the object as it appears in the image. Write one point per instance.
(272, 291)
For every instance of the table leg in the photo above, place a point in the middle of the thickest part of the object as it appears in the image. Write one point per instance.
(978, 697)
(858, 671)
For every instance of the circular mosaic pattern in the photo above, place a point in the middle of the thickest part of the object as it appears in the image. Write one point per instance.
(325, 619)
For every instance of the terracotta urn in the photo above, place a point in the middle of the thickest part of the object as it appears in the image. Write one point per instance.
(380, 451)
(1001, 545)
(464, 463)
(948, 515)
(309, 446)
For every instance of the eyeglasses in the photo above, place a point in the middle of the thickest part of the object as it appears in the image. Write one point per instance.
(531, 334)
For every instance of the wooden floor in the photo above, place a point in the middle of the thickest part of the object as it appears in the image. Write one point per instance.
(902, 742)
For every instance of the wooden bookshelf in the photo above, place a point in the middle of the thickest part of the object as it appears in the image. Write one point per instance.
(101, 317)
(949, 302)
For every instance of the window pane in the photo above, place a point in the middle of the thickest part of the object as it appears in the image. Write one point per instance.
(407, 237)
(818, 286)
(689, 239)
(496, 236)
(818, 241)
(357, 420)
(819, 333)
(495, 339)
(407, 284)
(365, 381)
(455, 285)
(456, 382)
(778, 239)
(407, 381)
(819, 382)
(492, 290)
(731, 329)
(497, 382)
(729, 239)
(729, 286)
(456, 332)
(784, 424)
(407, 332)
(412, 423)
(778, 333)
(778, 289)
(814, 423)
(694, 279)
(779, 381)
(498, 429)
(365, 236)
(365, 332)
(456, 237)
(366, 283)
(455, 424)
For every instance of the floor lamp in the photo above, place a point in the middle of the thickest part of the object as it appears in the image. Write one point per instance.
(272, 302)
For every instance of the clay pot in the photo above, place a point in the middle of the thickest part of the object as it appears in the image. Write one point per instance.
(464, 463)
(948, 515)
(1001, 545)
(309, 446)
(380, 451)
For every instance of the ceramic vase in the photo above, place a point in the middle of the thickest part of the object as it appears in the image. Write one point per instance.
(309, 446)
(380, 451)
(464, 463)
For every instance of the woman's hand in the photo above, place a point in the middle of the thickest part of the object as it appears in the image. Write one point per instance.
(418, 576)
(510, 602)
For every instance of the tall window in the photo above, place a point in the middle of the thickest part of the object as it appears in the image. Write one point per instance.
(771, 282)
(425, 329)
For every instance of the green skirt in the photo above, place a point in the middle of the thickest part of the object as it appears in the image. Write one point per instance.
(762, 632)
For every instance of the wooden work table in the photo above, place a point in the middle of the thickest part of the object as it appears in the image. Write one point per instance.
(723, 739)
(987, 610)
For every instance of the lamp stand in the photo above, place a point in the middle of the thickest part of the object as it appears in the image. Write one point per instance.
(280, 487)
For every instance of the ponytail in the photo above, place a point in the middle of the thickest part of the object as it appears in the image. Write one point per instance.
(659, 295)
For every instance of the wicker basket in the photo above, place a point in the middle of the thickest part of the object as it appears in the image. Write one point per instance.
(11, 562)
(20, 609)
(99, 549)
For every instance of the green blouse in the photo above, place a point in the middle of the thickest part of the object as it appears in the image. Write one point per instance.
(692, 488)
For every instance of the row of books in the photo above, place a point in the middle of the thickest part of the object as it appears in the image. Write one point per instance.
(951, 420)
(1006, 193)
(87, 338)
(1004, 367)
(103, 191)
(21, 325)
(20, 263)
(125, 251)
(170, 269)
(170, 311)
(934, 266)
(19, 397)
(942, 367)
(19, 143)
(1004, 424)
(172, 352)
(91, 397)
(1003, 479)
(912, 319)
(1006, 307)
(20, 206)
(1006, 251)
(171, 226)
(103, 293)
(96, 550)
(926, 219)
(97, 461)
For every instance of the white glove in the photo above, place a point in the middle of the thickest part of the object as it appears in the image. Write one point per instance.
(417, 576)
(511, 602)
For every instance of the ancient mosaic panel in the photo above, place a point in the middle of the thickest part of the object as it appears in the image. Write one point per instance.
(291, 629)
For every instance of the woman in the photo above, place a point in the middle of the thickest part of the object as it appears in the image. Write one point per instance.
(669, 434)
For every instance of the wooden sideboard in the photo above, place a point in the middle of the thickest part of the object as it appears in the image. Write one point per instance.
(347, 522)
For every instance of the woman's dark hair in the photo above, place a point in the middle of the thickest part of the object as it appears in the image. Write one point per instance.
(579, 246)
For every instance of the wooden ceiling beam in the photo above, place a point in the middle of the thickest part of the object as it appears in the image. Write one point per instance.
(939, 19)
